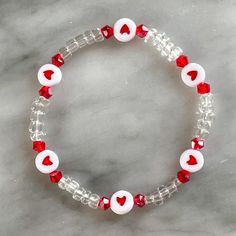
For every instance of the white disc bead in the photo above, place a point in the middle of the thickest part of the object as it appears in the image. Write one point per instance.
(49, 75)
(191, 160)
(124, 30)
(122, 202)
(193, 74)
(47, 161)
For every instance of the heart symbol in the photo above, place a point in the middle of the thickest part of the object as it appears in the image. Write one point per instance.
(192, 160)
(47, 161)
(121, 200)
(192, 74)
(125, 29)
(48, 74)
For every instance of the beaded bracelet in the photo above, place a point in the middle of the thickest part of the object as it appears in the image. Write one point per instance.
(191, 160)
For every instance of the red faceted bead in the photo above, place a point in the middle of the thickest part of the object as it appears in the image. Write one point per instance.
(57, 60)
(141, 31)
(107, 31)
(183, 176)
(182, 61)
(197, 143)
(104, 203)
(55, 176)
(39, 146)
(45, 92)
(139, 200)
(203, 88)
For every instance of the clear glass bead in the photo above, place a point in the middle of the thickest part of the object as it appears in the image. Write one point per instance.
(202, 124)
(93, 201)
(36, 126)
(72, 46)
(167, 49)
(89, 37)
(65, 53)
(81, 41)
(79, 193)
(175, 53)
(72, 186)
(40, 103)
(98, 37)
(37, 115)
(150, 37)
(37, 136)
(85, 198)
(201, 133)
(206, 99)
(64, 181)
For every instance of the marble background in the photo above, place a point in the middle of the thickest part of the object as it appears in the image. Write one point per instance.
(119, 120)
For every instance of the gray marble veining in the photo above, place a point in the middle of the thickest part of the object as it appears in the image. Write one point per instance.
(120, 119)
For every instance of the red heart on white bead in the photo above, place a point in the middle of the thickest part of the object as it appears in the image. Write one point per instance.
(121, 200)
(125, 29)
(192, 160)
(192, 74)
(48, 74)
(47, 161)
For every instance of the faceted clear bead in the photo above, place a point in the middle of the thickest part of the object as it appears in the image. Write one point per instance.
(64, 53)
(86, 196)
(37, 115)
(167, 49)
(88, 36)
(72, 46)
(202, 124)
(37, 136)
(79, 193)
(64, 181)
(35, 126)
(175, 53)
(93, 201)
(162, 43)
(98, 37)
(72, 186)
(39, 103)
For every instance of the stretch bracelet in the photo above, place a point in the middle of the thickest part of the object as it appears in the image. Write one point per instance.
(191, 160)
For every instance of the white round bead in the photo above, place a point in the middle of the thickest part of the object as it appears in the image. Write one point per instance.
(122, 202)
(49, 75)
(124, 30)
(193, 74)
(47, 161)
(191, 160)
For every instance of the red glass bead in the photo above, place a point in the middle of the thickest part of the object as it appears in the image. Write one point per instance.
(107, 31)
(45, 92)
(55, 176)
(39, 146)
(139, 200)
(182, 61)
(183, 176)
(141, 31)
(203, 88)
(104, 203)
(57, 60)
(197, 143)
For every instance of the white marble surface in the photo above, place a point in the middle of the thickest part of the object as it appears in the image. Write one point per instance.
(120, 119)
